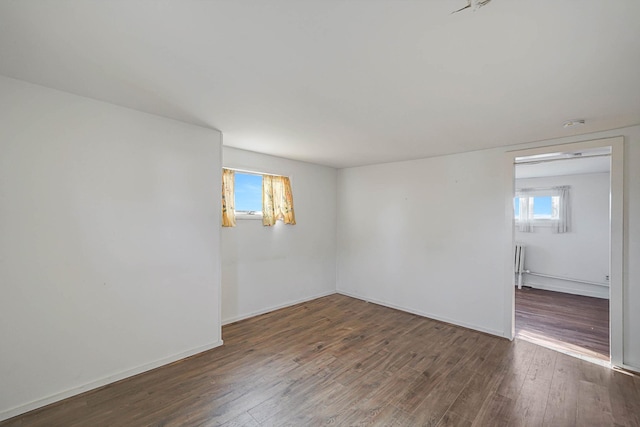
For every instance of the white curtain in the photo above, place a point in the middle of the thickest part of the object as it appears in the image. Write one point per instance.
(525, 223)
(563, 224)
(561, 209)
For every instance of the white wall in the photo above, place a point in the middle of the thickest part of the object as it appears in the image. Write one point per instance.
(109, 243)
(264, 268)
(406, 239)
(582, 253)
(421, 235)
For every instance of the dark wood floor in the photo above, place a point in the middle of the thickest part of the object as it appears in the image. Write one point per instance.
(338, 360)
(569, 323)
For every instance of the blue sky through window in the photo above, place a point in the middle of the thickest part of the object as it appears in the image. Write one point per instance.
(542, 207)
(248, 192)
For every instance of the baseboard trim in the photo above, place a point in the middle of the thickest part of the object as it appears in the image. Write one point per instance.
(554, 288)
(425, 314)
(628, 368)
(275, 307)
(39, 403)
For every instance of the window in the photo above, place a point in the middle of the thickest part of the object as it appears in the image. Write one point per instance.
(248, 194)
(543, 208)
(251, 195)
(548, 207)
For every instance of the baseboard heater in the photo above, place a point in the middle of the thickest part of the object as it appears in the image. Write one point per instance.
(518, 265)
(518, 268)
(549, 276)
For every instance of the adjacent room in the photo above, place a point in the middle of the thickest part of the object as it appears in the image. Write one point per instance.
(256, 213)
(562, 214)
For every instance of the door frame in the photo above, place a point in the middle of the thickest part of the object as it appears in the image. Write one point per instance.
(616, 236)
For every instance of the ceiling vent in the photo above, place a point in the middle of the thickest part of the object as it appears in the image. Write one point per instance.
(573, 123)
(473, 4)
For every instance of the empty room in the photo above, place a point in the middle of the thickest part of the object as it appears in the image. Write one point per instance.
(285, 213)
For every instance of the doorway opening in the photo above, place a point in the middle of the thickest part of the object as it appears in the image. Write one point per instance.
(566, 206)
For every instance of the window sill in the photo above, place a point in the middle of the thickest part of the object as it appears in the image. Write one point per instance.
(243, 216)
(542, 223)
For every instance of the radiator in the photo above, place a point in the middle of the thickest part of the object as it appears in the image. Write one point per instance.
(518, 265)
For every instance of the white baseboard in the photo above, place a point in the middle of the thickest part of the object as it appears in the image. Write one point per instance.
(604, 294)
(275, 307)
(18, 410)
(630, 368)
(428, 315)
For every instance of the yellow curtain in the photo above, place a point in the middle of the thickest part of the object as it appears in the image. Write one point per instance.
(228, 201)
(277, 200)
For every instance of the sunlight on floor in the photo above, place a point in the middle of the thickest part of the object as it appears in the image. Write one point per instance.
(543, 340)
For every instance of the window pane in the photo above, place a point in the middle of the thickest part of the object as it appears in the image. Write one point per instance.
(516, 206)
(248, 192)
(542, 207)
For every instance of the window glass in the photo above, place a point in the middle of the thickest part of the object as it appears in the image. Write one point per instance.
(542, 207)
(248, 192)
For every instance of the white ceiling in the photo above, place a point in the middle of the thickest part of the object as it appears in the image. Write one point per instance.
(342, 83)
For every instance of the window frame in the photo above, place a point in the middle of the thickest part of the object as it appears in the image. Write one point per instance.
(256, 215)
(531, 196)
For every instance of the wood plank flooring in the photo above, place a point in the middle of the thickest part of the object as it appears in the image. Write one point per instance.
(341, 361)
(569, 323)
